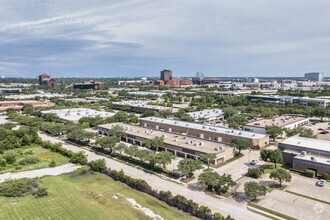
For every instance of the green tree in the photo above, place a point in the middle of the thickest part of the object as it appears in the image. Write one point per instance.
(189, 166)
(237, 121)
(51, 117)
(108, 142)
(116, 131)
(274, 131)
(144, 154)
(242, 144)
(132, 150)
(274, 156)
(307, 132)
(280, 175)
(254, 190)
(209, 179)
(10, 157)
(207, 158)
(320, 112)
(225, 181)
(99, 165)
(164, 158)
(154, 143)
(229, 111)
(79, 157)
(120, 147)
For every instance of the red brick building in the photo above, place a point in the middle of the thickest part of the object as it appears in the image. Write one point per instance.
(46, 80)
(200, 81)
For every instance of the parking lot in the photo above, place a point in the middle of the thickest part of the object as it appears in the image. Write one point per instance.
(317, 130)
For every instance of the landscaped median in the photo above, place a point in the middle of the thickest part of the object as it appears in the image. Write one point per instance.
(271, 211)
(307, 197)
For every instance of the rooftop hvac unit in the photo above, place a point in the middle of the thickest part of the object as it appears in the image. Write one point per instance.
(187, 142)
(187, 124)
(220, 148)
(303, 153)
(175, 139)
(184, 137)
(164, 136)
(313, 158)
(195, 144)
(201, 143)
(216, 149)
(132, 129)
(175, 136)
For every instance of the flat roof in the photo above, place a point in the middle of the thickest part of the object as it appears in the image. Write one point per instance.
(280, 121)
(74, 114)
(211, 113)
(171, 138)
(310, 143)
(141, 104)
(28, 96)
(146, 93)
(209, 128)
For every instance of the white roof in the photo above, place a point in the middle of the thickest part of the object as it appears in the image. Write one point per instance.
(74, 114)
(146, 93)
(210, 128)
(311, 143)
(206, 114)
(142, 104)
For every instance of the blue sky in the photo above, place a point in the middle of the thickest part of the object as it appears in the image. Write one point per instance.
(108, 38)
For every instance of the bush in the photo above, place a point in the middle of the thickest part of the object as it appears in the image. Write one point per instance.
(29, 160)
(29, 152)
(18, 167)
(18, 188)
(52, 163)
(254, 172)
(326, 176)
(79, 157)
(40, 192)
(98, 165)
(3, 163)
(310, 173)
(10, 157)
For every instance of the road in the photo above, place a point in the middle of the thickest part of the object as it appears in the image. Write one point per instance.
(223, 206)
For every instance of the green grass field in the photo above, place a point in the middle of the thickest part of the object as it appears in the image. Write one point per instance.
(44, 155)
(85, 197)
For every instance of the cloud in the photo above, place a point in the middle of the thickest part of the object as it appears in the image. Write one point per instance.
(134, 37)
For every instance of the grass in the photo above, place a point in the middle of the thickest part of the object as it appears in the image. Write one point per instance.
(263, 214)
(281, 215)
(269, 167)
(227, 194)
(276, 186)
(308, 197)
(87, 197)
(45, 156)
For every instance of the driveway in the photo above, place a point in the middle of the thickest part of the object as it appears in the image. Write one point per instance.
(225, 207)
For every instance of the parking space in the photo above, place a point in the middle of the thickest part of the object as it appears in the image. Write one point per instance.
(319, 128)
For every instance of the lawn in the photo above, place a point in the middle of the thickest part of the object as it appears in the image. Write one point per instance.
(44, 155)
(85, 197)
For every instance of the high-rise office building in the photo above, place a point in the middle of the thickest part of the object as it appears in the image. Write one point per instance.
(166, 75)
(200, 75)
(314, 76)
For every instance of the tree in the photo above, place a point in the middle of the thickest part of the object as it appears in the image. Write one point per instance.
(207, 158)
(280, 175)
(144, 154)
(225, 181)
(274, 131)
(189, 166)
(99, 165)
(307, 132)
(274, 156)
(80, 135)
(79, 157)
(133, 119)
(253, 190)
(10, 157)
(116, 131)
(119, 117)
(126, 108)
(120, 147)
(108, 142)
(320, 112)
(236, 121)
(210, 179)
(132, 150)
(229, 111)
(51, 117)
(164, 158)
(154, 143)
(242, 144)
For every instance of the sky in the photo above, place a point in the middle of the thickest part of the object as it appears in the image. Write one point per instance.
(112, 38)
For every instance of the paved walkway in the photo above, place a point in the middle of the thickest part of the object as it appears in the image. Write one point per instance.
(224, 206)
(66, 168)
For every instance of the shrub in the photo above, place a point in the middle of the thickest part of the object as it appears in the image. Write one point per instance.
(18, 167)
(326, 176)
(10, 157)
(29, 160)
(254, 172)
(99, 165)
(18, 188)
(3, 163)
(79, 157)
(52, 163)
(29, 152)
(310, 173)
(40, 192)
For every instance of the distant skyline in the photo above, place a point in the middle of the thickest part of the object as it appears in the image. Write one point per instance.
(102, 38)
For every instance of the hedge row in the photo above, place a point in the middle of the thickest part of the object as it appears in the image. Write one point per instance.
(177, 201)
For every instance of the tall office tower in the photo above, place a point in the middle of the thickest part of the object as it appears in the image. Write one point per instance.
(200, 75)
(314, 76)
(166, 75)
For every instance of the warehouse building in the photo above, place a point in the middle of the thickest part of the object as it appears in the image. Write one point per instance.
(140, 106)
(179, 145)
(210, 115)
(74, 114)
(285, 121)
(207, 132)
(306, 153)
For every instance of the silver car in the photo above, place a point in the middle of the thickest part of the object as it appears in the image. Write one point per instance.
(321, 183)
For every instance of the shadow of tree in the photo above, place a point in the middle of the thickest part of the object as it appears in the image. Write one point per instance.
(196, 187)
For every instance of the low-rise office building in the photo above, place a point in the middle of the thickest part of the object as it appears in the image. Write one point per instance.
(210, 115)
(207, 132)
(74, 114)
(285, 121)
(306, 153)
(18, 105)
(273, 99)
(140, 106)
(179, 145)
(88, 85)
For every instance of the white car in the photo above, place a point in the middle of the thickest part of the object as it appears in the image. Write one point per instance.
(254, 162)
(321, 183)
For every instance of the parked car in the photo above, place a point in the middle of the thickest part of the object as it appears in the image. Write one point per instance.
(324, 132)
(321, 183)
(320, 129)
(254, 162)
